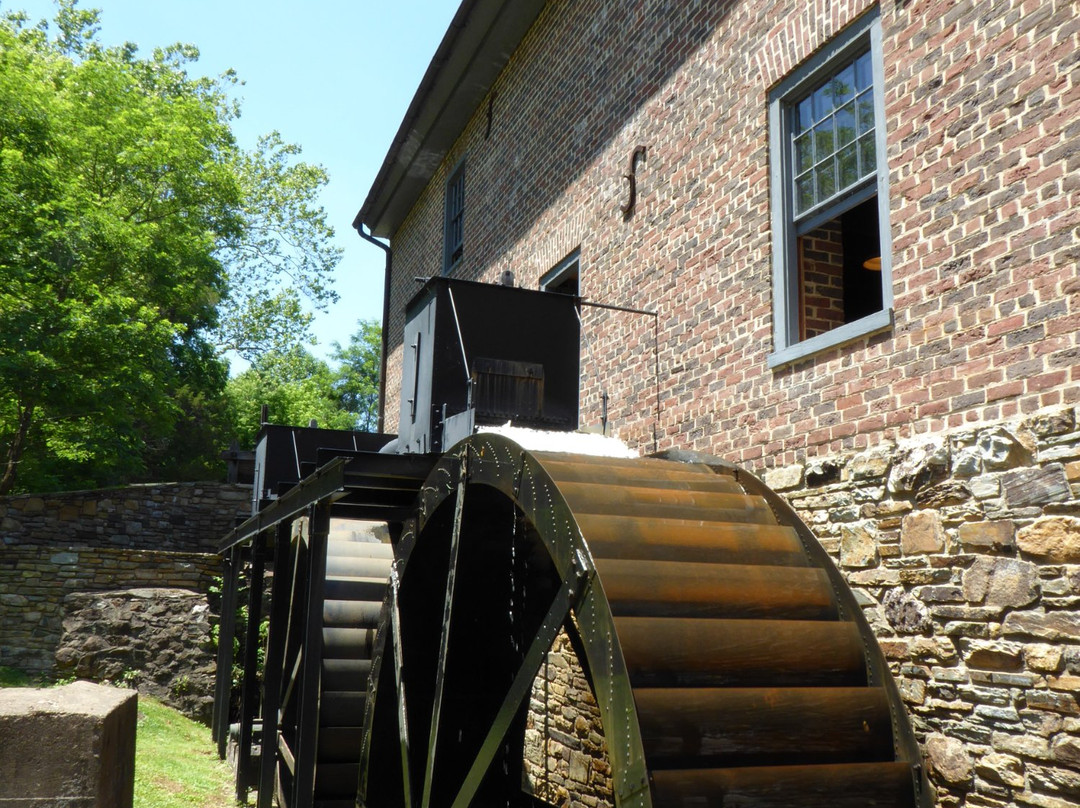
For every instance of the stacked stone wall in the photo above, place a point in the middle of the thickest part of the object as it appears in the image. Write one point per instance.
(35, 580)
(565, 756)
(147, 536)
(184, 517)
(964, 549)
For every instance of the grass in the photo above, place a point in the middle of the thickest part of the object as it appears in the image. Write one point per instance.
(9, 677)
(176, 762)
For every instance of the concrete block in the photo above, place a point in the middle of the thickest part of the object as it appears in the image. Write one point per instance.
(69, 747)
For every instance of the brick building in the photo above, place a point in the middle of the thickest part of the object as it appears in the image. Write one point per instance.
(858, 225)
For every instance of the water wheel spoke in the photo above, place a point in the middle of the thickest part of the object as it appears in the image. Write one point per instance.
(518, 691)
(403, 711)
(444, 638)
(290, 684)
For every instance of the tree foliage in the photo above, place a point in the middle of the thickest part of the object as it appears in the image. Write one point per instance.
(138, 242)
(298, 388)
(356, 382)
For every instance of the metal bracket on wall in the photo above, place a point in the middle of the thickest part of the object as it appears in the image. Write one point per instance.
(631, 177)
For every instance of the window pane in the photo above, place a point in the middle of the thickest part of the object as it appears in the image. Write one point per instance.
(843, 86)
(867, 154)
(804, 117)
(864, 74)
(866, 112)
(823, 139)
(845, 124)
(822, 102)
(804, 193)
(826, 179)
(848, 166)
(804, 152)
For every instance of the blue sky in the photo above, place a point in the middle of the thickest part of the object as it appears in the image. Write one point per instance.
(334, 76)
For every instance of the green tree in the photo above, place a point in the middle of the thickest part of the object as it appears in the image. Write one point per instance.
(137, 244)
(357, 378)
(296, 388)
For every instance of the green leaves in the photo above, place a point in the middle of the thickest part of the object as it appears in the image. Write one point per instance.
(138, 243)
(297, 387)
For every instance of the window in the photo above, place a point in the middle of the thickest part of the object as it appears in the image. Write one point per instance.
(563, 277)
(454, 223)
(830, 212)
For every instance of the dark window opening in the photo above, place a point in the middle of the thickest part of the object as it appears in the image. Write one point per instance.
(564, 277)
(840, 270)
(454, 227)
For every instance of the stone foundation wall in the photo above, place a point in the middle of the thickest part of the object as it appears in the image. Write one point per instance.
(964, 549)
(143, 536)
(156, 640)
(566, 762)
(35, 580)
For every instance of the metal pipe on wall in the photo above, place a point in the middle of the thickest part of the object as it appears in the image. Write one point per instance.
(359, 225)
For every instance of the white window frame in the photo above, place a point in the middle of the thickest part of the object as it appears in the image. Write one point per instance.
(787, 347)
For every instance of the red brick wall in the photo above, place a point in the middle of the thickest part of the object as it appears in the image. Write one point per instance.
(821, 272)
(984, 168)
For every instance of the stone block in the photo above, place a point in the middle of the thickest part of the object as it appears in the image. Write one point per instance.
(993, 655)
(1048, 424)
(1066, 749)
(1001, 582)
(858, 547)
(1055, 539)
(944, 494)
(999, 448)
(996, 536)
(76, 746)
(1024, 745)
(1042, 657)
(1064, 703)
(871, 464)
(781, 479)
(921, 533)
(999, 768)
(949, 759)
(1053, 626)
(904, 613)
(985, 487)
(1035, 486)
(966, 462)
(919, 465)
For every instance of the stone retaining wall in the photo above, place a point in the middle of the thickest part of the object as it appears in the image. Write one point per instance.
(157, 640)
(565, 756)
(964, 549)
(34, 581)
(187, 517)
(144, 536)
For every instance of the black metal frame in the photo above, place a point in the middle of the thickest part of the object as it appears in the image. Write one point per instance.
(289, 536)
(493, 462)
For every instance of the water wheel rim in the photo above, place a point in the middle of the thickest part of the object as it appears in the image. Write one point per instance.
(497, 463)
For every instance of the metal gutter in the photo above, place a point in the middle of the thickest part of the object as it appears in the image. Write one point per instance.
(476, 47)
(385, 344)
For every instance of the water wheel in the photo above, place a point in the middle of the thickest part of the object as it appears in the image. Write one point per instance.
(730, 664)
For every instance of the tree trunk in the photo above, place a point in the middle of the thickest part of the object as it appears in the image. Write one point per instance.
(15, 448)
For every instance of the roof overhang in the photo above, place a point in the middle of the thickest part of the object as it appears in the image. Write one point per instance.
(474, 50)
